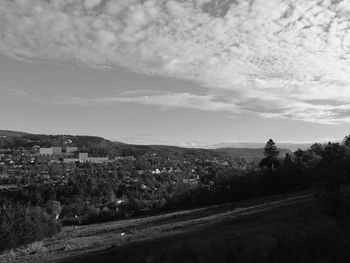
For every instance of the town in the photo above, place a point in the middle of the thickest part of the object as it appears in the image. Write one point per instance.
(87, 181)
(26, 166)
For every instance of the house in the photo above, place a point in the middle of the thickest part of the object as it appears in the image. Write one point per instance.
(71, 149)
(190, 181)
(4, 176)
(44, 175)
(156, 171)
(97, 159)
(120, 201)
(143, 187)
(70, 160)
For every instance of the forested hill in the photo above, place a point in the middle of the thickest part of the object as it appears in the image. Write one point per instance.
(99, 146)
(7, 133)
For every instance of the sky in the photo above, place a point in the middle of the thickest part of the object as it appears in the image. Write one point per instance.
(181, 72)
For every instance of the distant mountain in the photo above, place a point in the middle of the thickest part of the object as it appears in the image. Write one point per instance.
(7, 133)
(248, 153)
(257, 145)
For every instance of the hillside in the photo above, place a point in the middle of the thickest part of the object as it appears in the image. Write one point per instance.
(99, 146)
(8, 133)
(286, 228)
(292, 232)
(88, 243)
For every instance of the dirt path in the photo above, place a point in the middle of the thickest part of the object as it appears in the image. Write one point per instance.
(75, 242)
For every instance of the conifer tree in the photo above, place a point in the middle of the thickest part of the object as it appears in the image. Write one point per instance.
(270, 150)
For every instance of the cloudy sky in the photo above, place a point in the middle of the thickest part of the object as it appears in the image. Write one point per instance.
(184, 72)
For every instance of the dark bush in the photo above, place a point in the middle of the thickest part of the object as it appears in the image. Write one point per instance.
(21, 224)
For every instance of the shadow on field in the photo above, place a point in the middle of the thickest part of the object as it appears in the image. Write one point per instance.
(289, 234)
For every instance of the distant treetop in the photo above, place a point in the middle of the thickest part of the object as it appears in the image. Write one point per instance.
(270, 150)
(346, 141)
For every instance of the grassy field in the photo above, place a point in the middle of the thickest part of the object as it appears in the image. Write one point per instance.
(294, 233)
(286, 228)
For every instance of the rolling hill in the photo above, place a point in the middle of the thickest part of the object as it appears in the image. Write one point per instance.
(101, 147)
(8, 133)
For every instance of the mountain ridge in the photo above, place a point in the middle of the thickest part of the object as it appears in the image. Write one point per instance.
(105, 146)
(10, 133)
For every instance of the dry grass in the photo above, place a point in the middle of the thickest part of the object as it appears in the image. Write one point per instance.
(78, 240)
(35, 251)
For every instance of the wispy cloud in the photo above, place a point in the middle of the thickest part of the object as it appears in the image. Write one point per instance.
(16, 92)
(164, 100)
(276, 58)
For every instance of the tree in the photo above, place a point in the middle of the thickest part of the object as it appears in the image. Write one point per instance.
(330, 193)
(269, 163)
(330, 182)
(270, 150)
(346, 141)
(271, 153)
(298, 155)
(316, 148)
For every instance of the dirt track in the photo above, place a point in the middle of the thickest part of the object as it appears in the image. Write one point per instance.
(75, 242)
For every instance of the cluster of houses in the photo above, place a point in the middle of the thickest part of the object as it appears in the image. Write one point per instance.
(166, 170)
(17, 157)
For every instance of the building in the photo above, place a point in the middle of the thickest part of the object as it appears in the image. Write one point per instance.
(4, 176)
(71, 149)
(45, 151)
(70, 160)
(50, 151)
(156, 171)
(56, 150)
(84, 157)
(97, 159)
(190, 181)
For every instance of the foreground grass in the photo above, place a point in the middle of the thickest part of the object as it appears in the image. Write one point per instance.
(297, 233)
(306, 245)
(77, 241)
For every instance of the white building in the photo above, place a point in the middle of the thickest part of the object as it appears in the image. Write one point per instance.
(70, 160)
(50, 151)
(71, 149)
(45, 151)
(56, 150)
(84, 157)
(97, 159)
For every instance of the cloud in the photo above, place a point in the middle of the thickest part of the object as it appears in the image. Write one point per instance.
(164, 100)
(16, 92)
(276, 58)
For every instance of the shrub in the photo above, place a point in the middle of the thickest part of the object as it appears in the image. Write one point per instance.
(22, 224)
